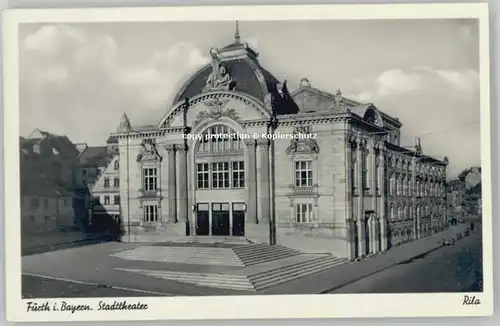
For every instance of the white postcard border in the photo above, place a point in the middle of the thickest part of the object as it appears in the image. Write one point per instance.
(240, 307)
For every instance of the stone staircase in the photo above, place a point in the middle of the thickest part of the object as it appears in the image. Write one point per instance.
(254, 267)
(182, 255)
(211, 240)
(220, 281)
(269, 278)
(260, 253)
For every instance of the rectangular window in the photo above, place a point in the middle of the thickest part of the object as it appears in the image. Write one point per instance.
(238, 174)
(150, 213)
(150, 179)
(364, 171)
(116, 199)
(303, 173)
(97, 200)
(220, 175)
(303, 213)
(84, 173)
(46, 202)
(202, 175)
(106, 182)
(116, 182)
(106, 200)
(35, 203)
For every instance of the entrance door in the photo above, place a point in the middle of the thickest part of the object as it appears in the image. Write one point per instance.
(203, 219)
(220, 219)
(238, 220)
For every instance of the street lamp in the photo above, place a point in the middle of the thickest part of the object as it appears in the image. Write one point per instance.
(272, 125)
(186, 130)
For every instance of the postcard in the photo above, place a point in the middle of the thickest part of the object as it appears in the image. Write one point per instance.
(247, 162)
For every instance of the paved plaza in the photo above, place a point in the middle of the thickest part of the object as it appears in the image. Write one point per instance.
(206, 269)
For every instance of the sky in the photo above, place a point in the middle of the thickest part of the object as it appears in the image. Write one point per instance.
(79, 79)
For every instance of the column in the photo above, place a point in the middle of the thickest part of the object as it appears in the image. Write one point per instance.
(351, 239)
(263, 175)
(350, 226)
(182, 209)
(373, 173)
(251, 215)
(361, 216)
(172, 201)
(369, 230)
(349, 180)
(376, 234)
(383, 213)
(371, 170)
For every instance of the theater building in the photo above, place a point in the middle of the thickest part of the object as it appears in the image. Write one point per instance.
(341, 183)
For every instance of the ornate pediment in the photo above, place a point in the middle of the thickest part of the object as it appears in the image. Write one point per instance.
(302, 146)
(148, 153)
(216, 111)
(303, 142)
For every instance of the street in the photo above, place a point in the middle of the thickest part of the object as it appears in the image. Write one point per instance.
(41, 287)
(455, 268)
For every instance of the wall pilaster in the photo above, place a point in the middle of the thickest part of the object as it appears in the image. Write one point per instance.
(171, 191)
(182, 187)
(251, 182)
(263, 192)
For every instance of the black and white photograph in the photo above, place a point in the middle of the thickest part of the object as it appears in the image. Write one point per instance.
(241, 160)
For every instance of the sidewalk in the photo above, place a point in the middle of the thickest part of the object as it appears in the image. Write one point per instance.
(342, 275)
(31, 241)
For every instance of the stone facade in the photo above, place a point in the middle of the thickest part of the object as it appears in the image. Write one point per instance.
(46, 213)
(339, 183)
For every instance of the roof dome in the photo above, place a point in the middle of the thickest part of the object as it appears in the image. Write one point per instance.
(233, 67)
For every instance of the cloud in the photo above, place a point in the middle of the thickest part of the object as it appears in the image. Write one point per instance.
(85, 79)
(395, 82)
(440, 106)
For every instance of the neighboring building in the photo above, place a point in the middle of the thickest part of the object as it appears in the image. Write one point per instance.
(455, 198)
(44, 206)
(53, 155)
(46, 164)
(105, 194)
(351, 191)
(471, 192)
(465, 193)
(93, 161)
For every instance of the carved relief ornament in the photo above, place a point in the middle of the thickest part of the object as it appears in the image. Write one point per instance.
(149, 152)
(216, 111)
(302, 146)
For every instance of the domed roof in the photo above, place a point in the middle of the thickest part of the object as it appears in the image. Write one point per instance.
(246, 74)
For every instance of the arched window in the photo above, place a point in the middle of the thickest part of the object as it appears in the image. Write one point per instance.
(220, 138)
(225, 172)
(117, 165)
